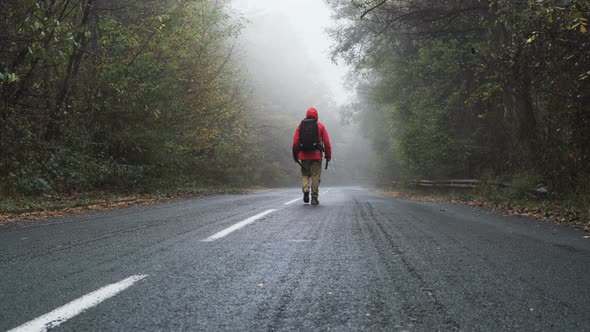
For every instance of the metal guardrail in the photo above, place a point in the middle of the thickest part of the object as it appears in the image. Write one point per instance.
(445, 183)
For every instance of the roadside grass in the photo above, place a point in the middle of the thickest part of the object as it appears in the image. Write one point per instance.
(37, 208)
(571, 210)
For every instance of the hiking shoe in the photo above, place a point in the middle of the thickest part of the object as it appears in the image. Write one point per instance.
(314, 201)
(306, 197)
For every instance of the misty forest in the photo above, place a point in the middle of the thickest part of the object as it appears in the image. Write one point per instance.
(142, 96)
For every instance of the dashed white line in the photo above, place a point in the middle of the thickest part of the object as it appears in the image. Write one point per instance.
(237, 226)
(63, 313)
(293, 201)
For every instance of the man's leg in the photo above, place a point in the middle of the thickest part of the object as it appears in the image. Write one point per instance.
(316, 172)
(305, 175)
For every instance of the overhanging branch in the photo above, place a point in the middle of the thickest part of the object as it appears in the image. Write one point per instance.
(373, 8)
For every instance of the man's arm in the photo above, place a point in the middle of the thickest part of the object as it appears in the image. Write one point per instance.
(295, 148)
(327, 145)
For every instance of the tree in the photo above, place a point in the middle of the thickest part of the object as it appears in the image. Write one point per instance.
(117, 94)
(474, 87)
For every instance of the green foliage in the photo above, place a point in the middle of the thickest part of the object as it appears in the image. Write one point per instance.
(137, 96)
(523, 183)
(31, 184)
(473, 88)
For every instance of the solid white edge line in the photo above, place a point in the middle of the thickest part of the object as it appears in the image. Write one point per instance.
(293, 201)
(237, 226)
(65, 312)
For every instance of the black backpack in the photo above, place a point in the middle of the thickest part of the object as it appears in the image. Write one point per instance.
(309, 135)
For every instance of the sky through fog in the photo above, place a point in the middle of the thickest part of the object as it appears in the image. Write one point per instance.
(308, 19)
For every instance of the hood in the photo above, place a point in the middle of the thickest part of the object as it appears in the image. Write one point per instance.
(312, 113)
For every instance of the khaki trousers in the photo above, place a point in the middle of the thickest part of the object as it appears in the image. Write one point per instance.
(311, 169)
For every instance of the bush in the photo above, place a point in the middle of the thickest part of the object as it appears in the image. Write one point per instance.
(32, 185)
(523, 183)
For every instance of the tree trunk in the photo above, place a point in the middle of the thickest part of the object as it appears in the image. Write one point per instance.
(64, 96)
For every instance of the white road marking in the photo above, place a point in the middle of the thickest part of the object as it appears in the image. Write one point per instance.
(293, 201)
(237, 226)
(63, 313)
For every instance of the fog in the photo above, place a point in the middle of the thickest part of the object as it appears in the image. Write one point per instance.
(304, 23)
(284, 49)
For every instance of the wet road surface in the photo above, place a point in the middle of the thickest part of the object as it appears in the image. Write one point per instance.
(267, 262)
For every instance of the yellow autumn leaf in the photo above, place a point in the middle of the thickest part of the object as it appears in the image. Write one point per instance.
(531, 39)
(583, 28)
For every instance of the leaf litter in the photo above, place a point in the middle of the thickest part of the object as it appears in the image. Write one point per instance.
(555, 213)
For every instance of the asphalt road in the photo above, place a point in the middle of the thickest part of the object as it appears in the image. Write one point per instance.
(358, 261)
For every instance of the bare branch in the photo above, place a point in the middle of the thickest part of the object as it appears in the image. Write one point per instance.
(373, 8)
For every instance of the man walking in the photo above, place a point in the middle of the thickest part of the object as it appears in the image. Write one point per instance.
(311, 139)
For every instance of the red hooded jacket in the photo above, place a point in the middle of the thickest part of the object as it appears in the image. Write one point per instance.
(323, 136)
